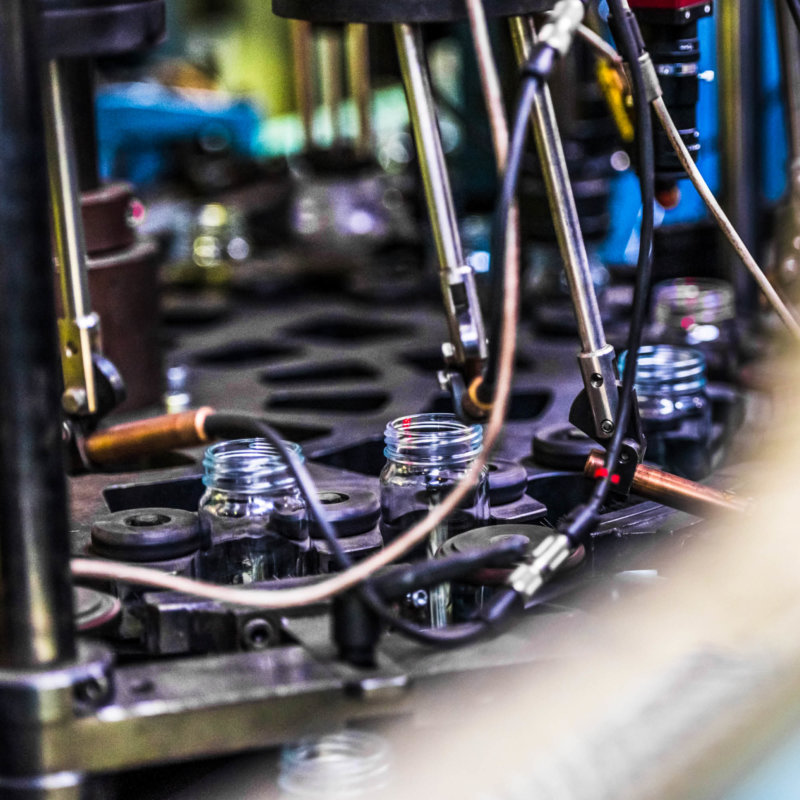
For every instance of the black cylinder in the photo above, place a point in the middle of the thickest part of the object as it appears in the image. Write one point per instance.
(35, 588)
(78, 77)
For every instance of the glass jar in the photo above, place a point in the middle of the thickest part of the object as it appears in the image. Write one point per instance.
(699, 313)
(427, 454)
(674, 408)
(253, 518)
(348, 764)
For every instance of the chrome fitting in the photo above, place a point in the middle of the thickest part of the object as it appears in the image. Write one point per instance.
(526, 579)
(562, 25)
(600, 382)
(650, 74)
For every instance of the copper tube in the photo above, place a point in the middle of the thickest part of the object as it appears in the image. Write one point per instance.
(148, 436)
(679, 493)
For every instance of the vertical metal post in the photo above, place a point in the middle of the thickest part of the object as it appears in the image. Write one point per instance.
(330, 70)
(596, 358)
(737, 73)
(303, 59)
(439, 197)
(77, 76)
(78, 326)
(36, 624)
(360, 88)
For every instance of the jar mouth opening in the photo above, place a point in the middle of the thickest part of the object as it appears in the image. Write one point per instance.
(249, 463)
(432, 438)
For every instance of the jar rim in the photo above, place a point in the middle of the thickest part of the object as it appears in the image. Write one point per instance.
(698, 300)
(249, 464)
(432, 438)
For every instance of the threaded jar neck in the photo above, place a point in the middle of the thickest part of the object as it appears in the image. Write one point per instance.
(432, 440)
(685, 302)
(668, 371)
(247, 466)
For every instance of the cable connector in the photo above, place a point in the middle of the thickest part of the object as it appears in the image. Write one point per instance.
(651, 83)
(527, 579)
(562, 25)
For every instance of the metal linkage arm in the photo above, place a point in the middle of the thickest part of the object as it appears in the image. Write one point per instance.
(596, 356)
(464, 318)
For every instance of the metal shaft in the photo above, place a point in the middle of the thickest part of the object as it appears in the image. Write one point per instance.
(303, 58)
(35, 588)
(438, 195)
(596, 358)
(358, 79)
(78, 327)
(77, 76)
(562, 201)
(790, 62)
(673, 491)
(330, 69)
(737, 71)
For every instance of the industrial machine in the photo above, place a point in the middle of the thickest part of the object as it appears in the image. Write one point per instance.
(283, 485)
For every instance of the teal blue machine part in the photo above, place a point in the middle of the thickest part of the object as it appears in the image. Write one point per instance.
(138, 122)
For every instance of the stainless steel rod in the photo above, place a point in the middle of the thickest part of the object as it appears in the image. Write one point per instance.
(79, 326)
(562, 202)
(429, 146)
(358, 79)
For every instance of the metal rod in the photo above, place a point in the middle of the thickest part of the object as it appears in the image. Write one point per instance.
(358, 78)
(562, 201)
(79, 326)
(672, 491)
(330, 68)
(438, 195)
(596, 356)
(77, 75)
(302, 59)
(789, 40)
(737, 71)
(36, 607)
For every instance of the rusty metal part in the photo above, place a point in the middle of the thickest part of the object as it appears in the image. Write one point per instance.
(672, 491)
(131, 440)
(106, 218)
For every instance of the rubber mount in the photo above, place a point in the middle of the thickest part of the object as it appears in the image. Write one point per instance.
(339, 11)
(562, 446)
(146, 534)
(351, 512)
(100, 28)
(507, 482)
(479, 538)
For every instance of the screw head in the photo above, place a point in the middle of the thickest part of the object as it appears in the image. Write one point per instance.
(74, 400)
(607, 426)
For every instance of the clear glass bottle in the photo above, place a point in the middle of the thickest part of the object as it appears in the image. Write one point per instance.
(427, 454)
(338, 766)
(253, 519)
(698, 313)
(674, 407)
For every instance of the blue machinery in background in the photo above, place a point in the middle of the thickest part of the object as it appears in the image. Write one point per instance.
(138, 122)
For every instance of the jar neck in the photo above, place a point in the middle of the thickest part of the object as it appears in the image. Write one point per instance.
(668, 371)
(247, 466)
(431, 440)
(684, 302)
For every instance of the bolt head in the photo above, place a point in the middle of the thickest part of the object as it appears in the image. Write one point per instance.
(448, 350)
(74, 400)
(607, 426)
